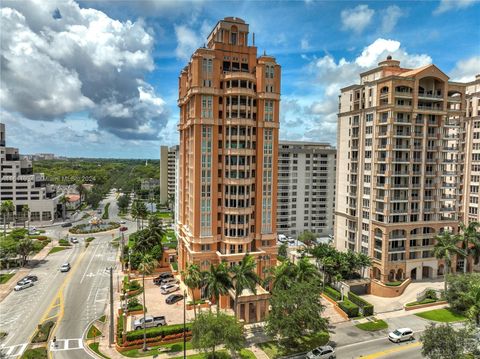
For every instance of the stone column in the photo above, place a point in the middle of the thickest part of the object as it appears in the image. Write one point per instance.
(259, 305)
(247, 313)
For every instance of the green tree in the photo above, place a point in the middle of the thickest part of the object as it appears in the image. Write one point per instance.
(444, 342)
(81, 191)
(470, 237)
(146, 266)
(308, 238)
(210, 330)
(193, 279)
(135, 212)
(123, 202)
(217, 282)
(459, 285)
(473, 296)
(6, 208)
(296, 311)
(244, 277)
(64, 200)
(25, 214)
(445, 247)
(24, 249)
(282, 252)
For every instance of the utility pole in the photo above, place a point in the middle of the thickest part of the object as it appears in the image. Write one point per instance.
(112, 318)
(185, 325)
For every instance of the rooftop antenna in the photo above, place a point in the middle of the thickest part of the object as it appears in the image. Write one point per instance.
(264, 53)
(253, 38)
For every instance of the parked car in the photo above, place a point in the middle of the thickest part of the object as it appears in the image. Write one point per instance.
(32, 278)
(282, 238)
(169, 281)
(158, 280)
(74, 240)
(23, 285)
(169, 288)
(65, 267)
(325, 352)
(66, 224)
(122, 222)
(173, 298)
(150, 322)
(400, 335)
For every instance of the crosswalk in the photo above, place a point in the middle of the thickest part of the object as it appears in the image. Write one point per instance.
(13, 351)
(66, 344)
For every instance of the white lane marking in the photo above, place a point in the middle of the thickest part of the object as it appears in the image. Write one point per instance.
(14, 350)
(91, 258)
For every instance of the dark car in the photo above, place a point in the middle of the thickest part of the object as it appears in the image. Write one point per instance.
(67, 224)
(172, 299)
(162, 277)
(31, 278)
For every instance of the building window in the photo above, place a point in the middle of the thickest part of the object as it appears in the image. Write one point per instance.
(268, 111)
(207, 106)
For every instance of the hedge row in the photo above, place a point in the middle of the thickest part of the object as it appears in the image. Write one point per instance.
(157, 332)
(366, 306)
(332, 293)
(348, 307)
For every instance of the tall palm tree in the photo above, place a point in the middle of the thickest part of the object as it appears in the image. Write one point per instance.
(25, 213)
(146, 266)
(244, 277)
(143, 212)
(6, 208)
(135, 212)
(81, 191)
(284, 275)
(305, 270)
(364, 262)
(470, 241)
(446, 247)
(193, 279)
(64, 200)
(217, 282)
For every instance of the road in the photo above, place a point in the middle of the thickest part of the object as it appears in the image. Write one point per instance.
(74, 298)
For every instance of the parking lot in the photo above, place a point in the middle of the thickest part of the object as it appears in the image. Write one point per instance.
(155, 303)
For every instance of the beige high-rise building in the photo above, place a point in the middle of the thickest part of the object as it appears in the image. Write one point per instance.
(398, 171)
(470, 139)
(229, 120)
(306, 188)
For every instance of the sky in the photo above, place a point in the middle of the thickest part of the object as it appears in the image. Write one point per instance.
(100, 78)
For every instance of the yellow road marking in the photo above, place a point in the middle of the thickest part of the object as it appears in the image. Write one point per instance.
(53, 304)
(391, 351)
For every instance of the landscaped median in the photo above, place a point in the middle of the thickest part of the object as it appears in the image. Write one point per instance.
(351, 305)
(373, 325)
(444, 315)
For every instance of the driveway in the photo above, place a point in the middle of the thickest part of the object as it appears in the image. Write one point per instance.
(383, 305)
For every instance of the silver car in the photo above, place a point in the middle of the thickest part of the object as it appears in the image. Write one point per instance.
(325, 352)
(23, 285)
(169, 288)
(400, 335)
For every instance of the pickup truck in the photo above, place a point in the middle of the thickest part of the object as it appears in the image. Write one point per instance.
(150, 322)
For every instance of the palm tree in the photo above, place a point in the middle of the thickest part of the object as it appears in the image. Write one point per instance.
(470, 236)
(445, 248)
(244, 277)
(305, 270)
(474, 311)
(143, 212)
(284, 275)
(81, 191)
(193, 279)
(25, 213)
(146, 266)
(364, 261)
(135, 212)
(63, 200)
(6, 208)
(217, 282)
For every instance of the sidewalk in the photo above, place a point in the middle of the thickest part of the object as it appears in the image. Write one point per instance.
(6, 288)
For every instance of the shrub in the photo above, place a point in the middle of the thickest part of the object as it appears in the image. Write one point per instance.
(134, 285)
(43, 332)
(431, 294)
(332, 293)
(42, 238)
(63, 242)
(350, 308)
(366, 306)
(157, 332)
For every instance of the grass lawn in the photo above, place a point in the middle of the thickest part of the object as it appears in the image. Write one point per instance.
(93, 332)
(394, 284)
(94, 347)
(37, 353)
(102, 318)
(167, 348)
(444, 315)
(4, 278)
(57, 249)
(372, 326)
(274, 350)
(164, 214)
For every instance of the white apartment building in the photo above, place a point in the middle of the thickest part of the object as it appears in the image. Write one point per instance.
(171, 176)
(306, 188)
(19, 184)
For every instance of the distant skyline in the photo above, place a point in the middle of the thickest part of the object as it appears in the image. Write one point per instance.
(100, 78)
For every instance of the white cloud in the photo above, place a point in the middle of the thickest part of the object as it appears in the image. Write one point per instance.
(357, 19)
(188, 40)
(466, 70)
(447, 5)
(60, 59)
(391, 15)
(304, 44)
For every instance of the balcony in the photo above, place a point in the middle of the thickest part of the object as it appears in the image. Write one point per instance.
(430, 96)
(396, 249)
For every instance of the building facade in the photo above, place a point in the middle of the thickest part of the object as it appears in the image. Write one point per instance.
(398, 151)
(470, 139)
(19, 184)
(306, 188)
(171, 178)
(163, 174)
(229, 121)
